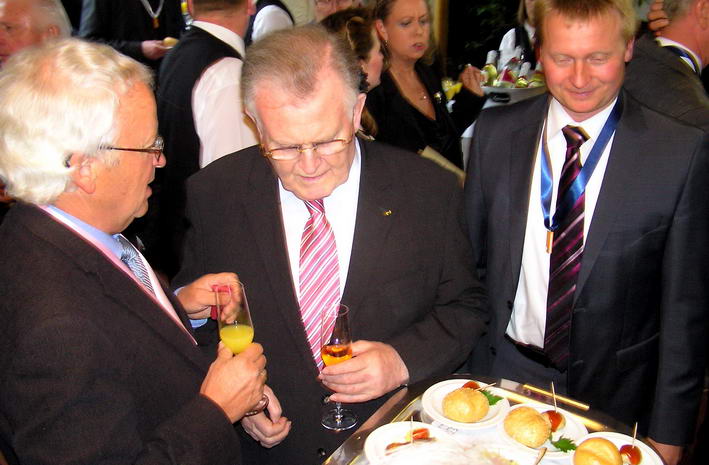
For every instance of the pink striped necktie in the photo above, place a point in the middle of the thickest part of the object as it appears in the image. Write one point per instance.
(566, 254)
(319, 278)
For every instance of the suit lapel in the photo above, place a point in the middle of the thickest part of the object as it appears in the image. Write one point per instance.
(622, 159)
(117, 285)
(523, 147)
(376, 212)
(264, 216)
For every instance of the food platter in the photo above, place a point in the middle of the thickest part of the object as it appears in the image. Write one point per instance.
(573, 430)
(649, 456)
(375, 448)
(432, 404)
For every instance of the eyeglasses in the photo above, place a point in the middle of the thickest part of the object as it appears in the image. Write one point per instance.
(155, 149)
(330, 147)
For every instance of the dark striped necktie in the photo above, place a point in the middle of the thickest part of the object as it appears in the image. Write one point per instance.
(132, 259)
(567, 250)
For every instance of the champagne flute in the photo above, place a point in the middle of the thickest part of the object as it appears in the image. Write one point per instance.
(236, 330)
(336, 348)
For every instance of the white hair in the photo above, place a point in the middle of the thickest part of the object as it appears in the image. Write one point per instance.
(59, 99)
(52, 13)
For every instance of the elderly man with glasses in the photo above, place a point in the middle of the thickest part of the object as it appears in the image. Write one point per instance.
(316, 217)
(98, 364)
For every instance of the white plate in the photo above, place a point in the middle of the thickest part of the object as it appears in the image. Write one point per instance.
(380, 438)
(573, 430)
(649, 457)
(432, 403)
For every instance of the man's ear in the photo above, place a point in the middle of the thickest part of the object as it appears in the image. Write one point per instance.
(50, 32)
(83, 176)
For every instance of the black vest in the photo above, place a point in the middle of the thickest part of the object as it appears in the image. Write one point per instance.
(180, 70)
(260, 5)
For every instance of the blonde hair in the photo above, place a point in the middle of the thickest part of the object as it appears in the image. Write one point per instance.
(585, 10)
(58, 99)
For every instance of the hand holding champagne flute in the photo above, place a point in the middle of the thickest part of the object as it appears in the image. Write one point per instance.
(236, 329)
(336, 348)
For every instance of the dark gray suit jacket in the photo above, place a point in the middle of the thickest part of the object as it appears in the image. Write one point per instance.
(92, 371)
(660, 80)
(638, 331)
(410, 281)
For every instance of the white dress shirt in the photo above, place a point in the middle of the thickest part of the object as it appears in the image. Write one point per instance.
(530, 305)
(341, 213)
(271, 18)
(509, 42)
(219, 119)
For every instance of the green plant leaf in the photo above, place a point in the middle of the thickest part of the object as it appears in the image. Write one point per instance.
(563, 444)
(492, 399)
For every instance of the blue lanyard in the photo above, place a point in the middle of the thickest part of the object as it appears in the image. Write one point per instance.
(578, 187)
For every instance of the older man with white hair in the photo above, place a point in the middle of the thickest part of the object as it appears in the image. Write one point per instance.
(98, 364)
(24, 23)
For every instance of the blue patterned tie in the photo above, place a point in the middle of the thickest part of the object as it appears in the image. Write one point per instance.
(567, 251)
(131, 257)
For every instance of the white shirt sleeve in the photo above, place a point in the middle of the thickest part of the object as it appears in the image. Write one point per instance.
(271, 18)
(219, 119)
(508, 41)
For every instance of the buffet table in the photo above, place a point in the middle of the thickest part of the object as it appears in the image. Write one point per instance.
(406, 404)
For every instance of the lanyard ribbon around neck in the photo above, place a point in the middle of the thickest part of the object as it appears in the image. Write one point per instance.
(579, 185)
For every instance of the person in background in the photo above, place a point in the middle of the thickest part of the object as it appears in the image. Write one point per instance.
(589, 226)
(27, 23)
(324, 8)
(409, 105)
(135, 28)
(271, 15)
(101, 364)
(356, 27)
(665, 72)
(391, 245)
(73, 10)
(200, 115)
(521, 35)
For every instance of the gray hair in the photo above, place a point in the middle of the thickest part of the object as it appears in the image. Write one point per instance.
(58, 99)
(676, 8)
(293, 58)
(52, 13)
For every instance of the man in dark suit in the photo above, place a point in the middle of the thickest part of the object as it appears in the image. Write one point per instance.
(98, 364)
(133, 27)
(603, 291)
(664, 73)
(199, 113)
(390, 244)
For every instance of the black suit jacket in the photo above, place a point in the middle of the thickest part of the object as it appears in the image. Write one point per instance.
(91, 370)
(410, 281)
(124, 24)
(663, 82)
(638, 326)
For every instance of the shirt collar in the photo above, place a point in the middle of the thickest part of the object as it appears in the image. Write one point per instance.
(664, 41)
(105, 239)
(223, 34)
(558, 118)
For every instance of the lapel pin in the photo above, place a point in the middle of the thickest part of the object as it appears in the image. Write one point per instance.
(386, 212)
(438, 97)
